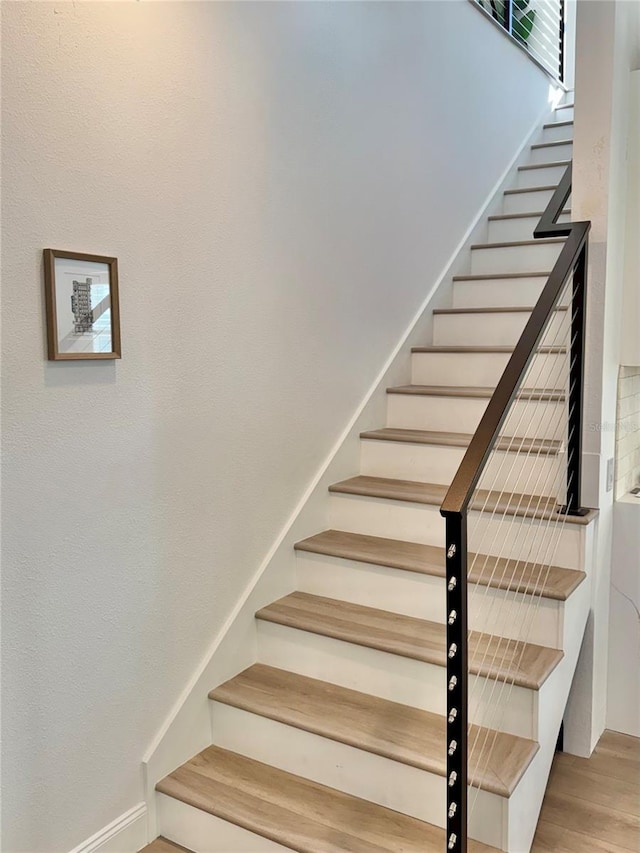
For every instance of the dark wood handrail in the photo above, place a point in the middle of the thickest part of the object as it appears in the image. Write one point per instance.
(467, 476)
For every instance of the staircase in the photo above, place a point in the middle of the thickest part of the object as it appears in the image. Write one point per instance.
(335, 739)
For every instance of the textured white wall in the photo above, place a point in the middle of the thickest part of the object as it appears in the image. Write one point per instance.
(281, 184)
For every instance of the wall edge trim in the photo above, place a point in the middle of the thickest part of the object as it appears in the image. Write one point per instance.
(125, 834)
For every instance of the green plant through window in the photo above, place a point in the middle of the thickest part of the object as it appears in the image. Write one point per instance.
(522, 16)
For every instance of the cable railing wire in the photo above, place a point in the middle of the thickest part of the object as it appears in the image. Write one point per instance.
(537, 25)
(530, 603)
(537, 488)
(505, 644)
(523, 462)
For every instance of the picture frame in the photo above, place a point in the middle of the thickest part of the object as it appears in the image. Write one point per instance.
(82, 306)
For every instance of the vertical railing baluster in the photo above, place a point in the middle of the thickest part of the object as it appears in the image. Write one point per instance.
(508, 16)
(576, 385)
(561, 46)
(457, 681)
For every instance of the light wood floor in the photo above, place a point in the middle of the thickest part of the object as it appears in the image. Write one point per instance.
(593, 805)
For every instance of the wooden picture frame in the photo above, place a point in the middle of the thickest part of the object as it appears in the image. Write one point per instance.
(83, 316)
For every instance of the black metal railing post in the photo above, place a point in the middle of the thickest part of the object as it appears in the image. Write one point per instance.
(576, 385)
(508, 16)
(561, 46)
(457, 681)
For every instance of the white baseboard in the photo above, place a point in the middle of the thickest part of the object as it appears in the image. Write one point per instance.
(125, 834)
(187, 729)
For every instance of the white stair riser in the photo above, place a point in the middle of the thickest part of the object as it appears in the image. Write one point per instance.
(524, 804)
(502, 328)
(204, 833)
(498, 292)
(547, 177)
(501, 536)
(531, 418)
(506, 230)
(438, 464)
(406, 789)
(538, 257)
(484, 369)
(564, 114)
(526, 203)
(555, 134)
(497, 705)
(513, 615)
(556, 152)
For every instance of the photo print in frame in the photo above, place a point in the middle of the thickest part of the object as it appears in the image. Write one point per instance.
(83, 313)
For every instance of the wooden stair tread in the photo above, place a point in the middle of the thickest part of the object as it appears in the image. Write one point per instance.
(523, 664)
(545, 446)
(295, 812)
(546, 188)
(514, 309)
(525, 506)
(500, 275)
(510, 244)
(483, 349)
(553, 144)
(399, 732)
(496, 572)
(498, 217)
(163, 845)
(558, 124)
(554, 163)
(474, 391)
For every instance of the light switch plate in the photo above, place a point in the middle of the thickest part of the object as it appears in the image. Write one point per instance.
(609, 474)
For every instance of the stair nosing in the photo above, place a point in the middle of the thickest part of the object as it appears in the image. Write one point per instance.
(471, 391)
(482, 349)
(545, 189)
(479, 664)
(433, 494)
(353, 737)
(557, 124)
(500, 276)
(511, 244)
(448, 439)
(512, 309)
(433, 563)
(500, 217)
(554, 164)
(554, 144)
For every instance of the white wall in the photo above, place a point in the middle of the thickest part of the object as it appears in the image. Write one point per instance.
(630, 351)
(607, 48)
(623, 676)
(623, 688)
(628, 437)
(282, 184)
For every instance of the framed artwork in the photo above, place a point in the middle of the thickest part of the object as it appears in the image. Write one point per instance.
(83, 312)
